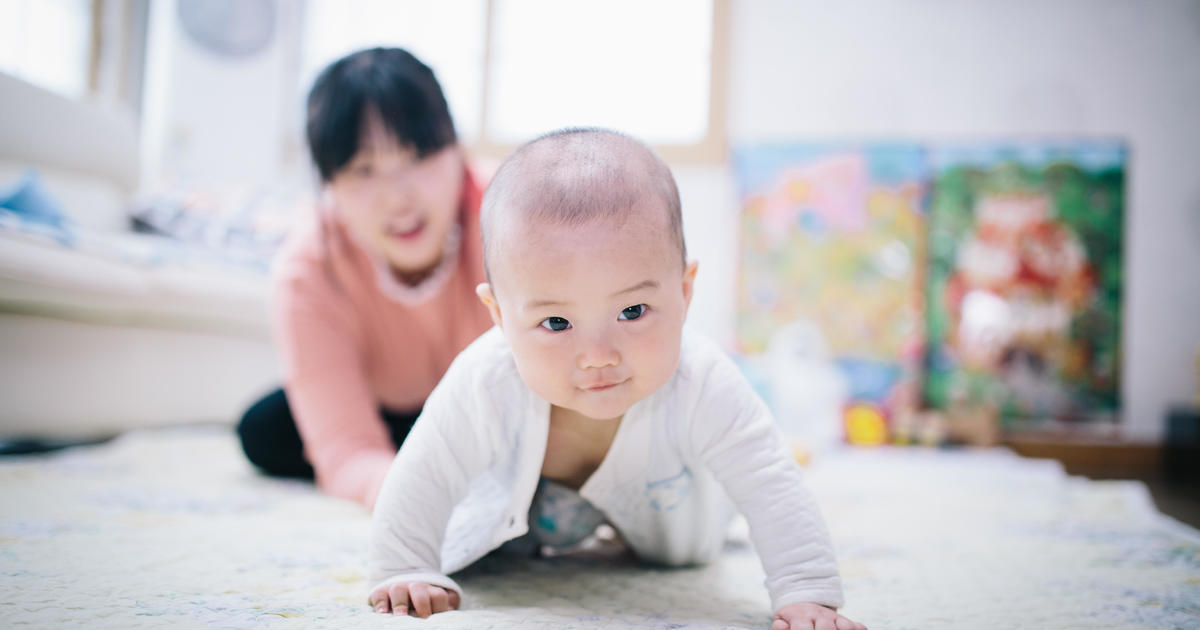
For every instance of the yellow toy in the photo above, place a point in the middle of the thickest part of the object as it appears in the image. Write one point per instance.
(865, 425)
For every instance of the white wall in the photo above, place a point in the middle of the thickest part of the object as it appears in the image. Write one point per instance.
(886, 69)
(924, 69)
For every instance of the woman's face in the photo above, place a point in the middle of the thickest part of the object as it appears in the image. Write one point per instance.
(395, 204)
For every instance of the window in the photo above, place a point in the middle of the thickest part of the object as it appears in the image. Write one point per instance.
(641, 67)
(48, 43)
(447, 35)
(512, 69)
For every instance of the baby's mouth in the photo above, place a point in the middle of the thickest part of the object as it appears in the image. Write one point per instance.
(603, 387)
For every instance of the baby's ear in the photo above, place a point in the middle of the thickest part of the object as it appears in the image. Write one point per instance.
(689, 282)
(484, 291)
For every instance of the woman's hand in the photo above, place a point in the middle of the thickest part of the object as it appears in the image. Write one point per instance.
(413, 598)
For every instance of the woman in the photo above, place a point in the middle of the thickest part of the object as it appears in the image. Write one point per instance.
(375, 295)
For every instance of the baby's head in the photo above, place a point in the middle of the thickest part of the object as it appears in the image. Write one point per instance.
(587, 269)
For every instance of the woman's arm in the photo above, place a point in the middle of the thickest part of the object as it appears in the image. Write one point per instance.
(321, 348)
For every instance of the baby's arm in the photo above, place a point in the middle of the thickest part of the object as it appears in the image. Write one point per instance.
(429, 476)
(735, 436)
(417, 597)
(806, 616)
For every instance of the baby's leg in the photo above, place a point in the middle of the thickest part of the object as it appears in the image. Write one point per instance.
(560, 518)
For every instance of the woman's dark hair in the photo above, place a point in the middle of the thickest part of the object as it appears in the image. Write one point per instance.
(393, 82)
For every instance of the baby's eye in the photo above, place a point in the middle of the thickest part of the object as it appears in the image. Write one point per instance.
(362, 170)
(557, 324)
(633, 312)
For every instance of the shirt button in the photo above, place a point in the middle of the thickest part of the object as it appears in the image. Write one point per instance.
(512, 521)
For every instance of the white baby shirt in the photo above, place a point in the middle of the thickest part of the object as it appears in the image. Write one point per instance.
(683, 461)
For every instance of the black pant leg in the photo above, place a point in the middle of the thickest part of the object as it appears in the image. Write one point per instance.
(399, 423)
(271, 440)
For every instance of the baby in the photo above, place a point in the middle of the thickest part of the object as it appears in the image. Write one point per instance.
(588, 402)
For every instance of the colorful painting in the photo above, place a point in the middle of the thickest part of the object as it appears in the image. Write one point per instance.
(832, 237)
(1024, 280)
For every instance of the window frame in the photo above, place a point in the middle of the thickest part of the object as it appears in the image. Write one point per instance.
(117, 52)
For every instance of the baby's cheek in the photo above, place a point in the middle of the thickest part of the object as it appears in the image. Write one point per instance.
(662, 360)
(543, 379)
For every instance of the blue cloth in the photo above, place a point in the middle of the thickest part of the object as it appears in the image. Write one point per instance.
(29, 201)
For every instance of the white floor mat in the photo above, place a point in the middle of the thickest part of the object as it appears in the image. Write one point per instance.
(173, 528)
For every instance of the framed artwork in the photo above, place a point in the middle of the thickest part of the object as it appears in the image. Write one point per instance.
(1024, 279)
(832, 239)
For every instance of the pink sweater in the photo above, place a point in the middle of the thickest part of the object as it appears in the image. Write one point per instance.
(347, 348)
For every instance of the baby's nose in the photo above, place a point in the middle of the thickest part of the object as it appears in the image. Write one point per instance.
(599, 353)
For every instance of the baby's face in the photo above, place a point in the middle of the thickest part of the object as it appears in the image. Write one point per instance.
(593, 313)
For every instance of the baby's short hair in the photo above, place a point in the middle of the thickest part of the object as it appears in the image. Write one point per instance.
(577, 174)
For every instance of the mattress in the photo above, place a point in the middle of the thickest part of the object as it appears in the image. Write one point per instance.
(171, 527)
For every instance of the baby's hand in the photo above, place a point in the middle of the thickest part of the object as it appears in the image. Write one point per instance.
(810, 617)
(417, 598)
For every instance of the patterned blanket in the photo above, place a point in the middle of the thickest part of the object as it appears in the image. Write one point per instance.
(173, 528)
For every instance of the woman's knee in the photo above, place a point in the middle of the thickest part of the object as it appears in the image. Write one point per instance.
(264, 417)
(270, 439)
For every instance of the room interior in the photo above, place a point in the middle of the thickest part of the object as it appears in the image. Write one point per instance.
(823, 194)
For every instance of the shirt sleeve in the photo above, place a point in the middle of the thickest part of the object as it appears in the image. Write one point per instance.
(735, 436)
(326, 384)
(450, 444)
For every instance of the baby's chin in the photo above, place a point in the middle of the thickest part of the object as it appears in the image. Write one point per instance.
(597, 409)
